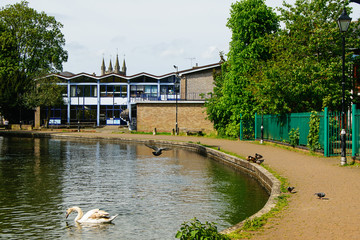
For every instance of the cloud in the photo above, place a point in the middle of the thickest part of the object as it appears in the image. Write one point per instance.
(210, 52)
(173, 52)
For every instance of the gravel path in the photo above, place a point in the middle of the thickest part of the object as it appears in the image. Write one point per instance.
(307, 217)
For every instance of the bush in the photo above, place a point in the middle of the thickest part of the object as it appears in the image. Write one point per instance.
(294, 136)
(313, 137)
(196, 230)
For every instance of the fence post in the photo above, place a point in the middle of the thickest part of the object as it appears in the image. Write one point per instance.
(241, 128)
(354, 137)
(326, 132)
(255, 129)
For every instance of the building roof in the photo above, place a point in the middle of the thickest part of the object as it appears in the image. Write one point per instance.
(69, 75)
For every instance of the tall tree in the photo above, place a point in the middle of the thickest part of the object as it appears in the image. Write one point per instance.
(250, 22)
(304, 73)
(32, 44)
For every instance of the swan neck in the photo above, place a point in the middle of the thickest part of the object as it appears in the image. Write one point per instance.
(80, 213)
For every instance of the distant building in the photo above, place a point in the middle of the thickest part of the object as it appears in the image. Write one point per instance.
(112, 97)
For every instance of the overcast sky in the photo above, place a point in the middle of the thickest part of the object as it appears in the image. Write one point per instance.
(152, 35)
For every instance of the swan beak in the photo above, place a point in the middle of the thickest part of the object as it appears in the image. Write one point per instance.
(67, 214)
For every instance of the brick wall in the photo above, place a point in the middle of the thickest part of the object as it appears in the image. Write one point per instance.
(162, 116)
(197, 83)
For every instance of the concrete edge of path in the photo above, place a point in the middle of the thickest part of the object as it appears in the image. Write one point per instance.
(265, 178)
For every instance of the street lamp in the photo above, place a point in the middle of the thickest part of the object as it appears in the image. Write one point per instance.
(343, 22)
(78, 112)
(262, 127)
(176, 100)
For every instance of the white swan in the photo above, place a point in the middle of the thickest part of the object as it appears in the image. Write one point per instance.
(92, 216)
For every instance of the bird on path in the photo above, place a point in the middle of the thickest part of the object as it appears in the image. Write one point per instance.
(157, 150)
(290, 189)
(92, 216)
(321, 195)
(251, 159)
(258, 156)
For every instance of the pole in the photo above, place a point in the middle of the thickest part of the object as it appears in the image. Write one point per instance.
(262, 128)
(176, 124)
(343, 131)
(78, 112)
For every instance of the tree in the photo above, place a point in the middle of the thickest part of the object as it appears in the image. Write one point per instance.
(47, 93)
(250, 22)
(305, 70)
(31, 44)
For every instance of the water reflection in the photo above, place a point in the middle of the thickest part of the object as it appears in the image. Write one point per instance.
(41, 178)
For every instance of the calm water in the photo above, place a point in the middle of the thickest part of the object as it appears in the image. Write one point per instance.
(41, 178)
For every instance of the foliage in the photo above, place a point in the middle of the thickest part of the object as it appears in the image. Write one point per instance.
(196, 230)
(294, 137)
(31, 44)
(303, 74)
(250, 21)
(47, 93)
(294, 69)
(313, 136)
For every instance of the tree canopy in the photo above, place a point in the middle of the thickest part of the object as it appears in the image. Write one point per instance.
(250, 21)
(31, 44)
(295, 68)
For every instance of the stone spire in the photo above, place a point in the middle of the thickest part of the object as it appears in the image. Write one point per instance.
(110, 68)
(124, 67)
(103, 69)
(117, 66)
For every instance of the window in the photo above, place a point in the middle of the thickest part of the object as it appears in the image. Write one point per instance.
(83, 91)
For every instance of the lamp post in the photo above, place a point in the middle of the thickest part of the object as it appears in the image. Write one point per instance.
(343, 22)
(262, 127)
(176, 100)
(77, 112)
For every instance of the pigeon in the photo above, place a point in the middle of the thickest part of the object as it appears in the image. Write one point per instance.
(157, 151)
(290, 189)
(320, 195)
(258, 156)
(251, 159)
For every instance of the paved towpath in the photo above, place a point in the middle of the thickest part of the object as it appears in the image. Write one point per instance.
(337, 217)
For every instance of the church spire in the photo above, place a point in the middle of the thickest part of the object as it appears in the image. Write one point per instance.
(110, 68)
(117, 65)
(103, 67)
(124, 67)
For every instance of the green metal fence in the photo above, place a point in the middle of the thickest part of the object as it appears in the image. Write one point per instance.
(355, 131)
(330, 129)
(277, 128)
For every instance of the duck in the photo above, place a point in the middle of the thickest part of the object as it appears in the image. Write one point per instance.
(258, 156)
(92, 216)
(251, 159)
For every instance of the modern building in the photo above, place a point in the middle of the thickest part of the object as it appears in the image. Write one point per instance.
(112, 97)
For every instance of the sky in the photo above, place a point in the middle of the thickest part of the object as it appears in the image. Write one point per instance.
(151, 35)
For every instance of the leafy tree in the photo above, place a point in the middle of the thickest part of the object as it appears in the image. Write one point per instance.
(47, 93)
(31, 44)
(250, 22)
(304, 73)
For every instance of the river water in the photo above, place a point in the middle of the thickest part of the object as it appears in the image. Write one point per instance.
(153, 196)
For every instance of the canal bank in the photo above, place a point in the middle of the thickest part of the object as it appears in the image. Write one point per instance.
(306, 217)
